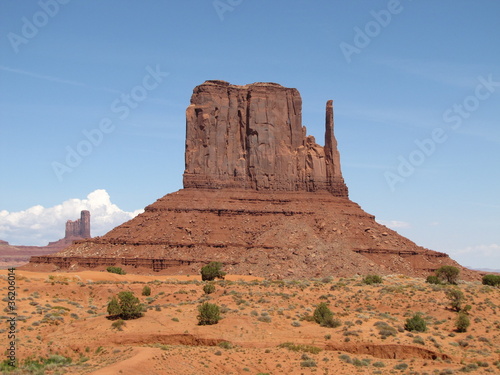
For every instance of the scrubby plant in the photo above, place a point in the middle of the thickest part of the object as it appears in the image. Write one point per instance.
(324, 316)
(448, 274)
(372, 279)
(212, 271)
(493, 280)
(456, 298)
(462, 322)
(118, 324)
(117, 270)
(416, 324)
(209, 288)
(208, 314)
(125, 306)
(146, 291)
(433, 279)
(114, 307)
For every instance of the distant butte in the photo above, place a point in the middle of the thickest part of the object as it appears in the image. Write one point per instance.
(260, 196)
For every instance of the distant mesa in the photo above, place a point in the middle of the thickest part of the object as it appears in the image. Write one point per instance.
(15, 256)
(260, 196)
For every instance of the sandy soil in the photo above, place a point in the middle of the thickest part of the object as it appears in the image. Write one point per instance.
(65, 314)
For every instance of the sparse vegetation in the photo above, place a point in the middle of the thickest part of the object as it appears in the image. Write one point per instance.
(125, 306)
(146, 291)
(456, 298)
(433, 279)
(416, 324)
(372, 279)
(462, 322)
(209, 288)
(212, 271)
(324, 316)
(117, 270)
(448, 274)
(493, 280)
(208, 314)
(300, 348)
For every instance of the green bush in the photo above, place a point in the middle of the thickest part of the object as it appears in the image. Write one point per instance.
(208, 314)
(146, 291)
(212, 271)
(448, 274)
(324, 316)
(433, 279)
(209, 288)
(416, 324)
(456, 298)
(462, 322)
(493, 280)
(372, 279)
(114, 308)
(117, 270)
(126, 306)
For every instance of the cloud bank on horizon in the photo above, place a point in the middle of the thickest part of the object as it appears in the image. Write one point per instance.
(38, 225)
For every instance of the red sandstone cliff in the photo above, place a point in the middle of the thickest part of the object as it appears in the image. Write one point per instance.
(252, 137)
(260, 196)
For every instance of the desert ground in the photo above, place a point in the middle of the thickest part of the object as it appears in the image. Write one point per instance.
(266, 326)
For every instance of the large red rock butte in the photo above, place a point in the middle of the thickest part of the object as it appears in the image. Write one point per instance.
(260, 196)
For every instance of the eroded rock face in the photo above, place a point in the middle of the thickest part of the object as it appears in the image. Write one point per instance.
(252, 137)
(78, 228)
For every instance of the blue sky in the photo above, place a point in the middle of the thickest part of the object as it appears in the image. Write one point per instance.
(416, 86)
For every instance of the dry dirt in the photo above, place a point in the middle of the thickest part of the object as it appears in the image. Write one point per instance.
(65, 314)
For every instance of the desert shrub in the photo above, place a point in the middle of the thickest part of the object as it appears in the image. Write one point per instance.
(114, 307)
(324, 316)
(264, 318)
(308, 363)
(416, 324)
(401, 366)
(225, 345)
(208, 314)
(117, 270)
(378, 364)
(118, 324)
(448, 274)
(493, 280)
(209, 288)
(300, 348)
(456, 298)
(433, 279)
(146, 291)
(212, 271)
(372, 279)
(125, 306)
(462, 322)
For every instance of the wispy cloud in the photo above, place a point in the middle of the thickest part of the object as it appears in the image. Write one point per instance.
(56, 79)
(446, 72)
(394, 224)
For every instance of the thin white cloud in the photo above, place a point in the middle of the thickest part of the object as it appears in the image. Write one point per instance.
(39, 225)
(56, 79)
(481, 250)
(394, 224)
